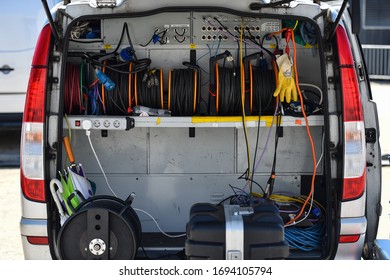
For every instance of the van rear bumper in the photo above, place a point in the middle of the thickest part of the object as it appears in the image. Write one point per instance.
(353, 250)
(34, 228)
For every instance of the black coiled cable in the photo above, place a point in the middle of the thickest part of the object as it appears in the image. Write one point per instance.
(262, 87)
(183, 88)
(148, 88)
(117, 101)
(228, 91)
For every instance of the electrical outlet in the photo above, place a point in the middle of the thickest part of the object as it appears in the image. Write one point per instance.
(107, 123)
(116, 124)
(96, 123)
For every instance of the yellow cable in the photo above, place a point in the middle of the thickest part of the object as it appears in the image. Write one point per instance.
(282, 198)
(296, 24)
(242, 80)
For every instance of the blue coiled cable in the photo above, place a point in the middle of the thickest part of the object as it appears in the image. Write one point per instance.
(305, 239)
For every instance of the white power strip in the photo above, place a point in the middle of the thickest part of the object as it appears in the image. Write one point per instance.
(100, 123)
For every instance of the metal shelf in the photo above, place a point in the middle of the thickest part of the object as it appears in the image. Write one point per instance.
(126, 123)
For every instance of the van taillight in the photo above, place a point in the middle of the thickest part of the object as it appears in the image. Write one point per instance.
(38, 240)
(31, 147)
(354, 131)
(349, 238)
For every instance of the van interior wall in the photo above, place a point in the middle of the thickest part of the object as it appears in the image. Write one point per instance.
(171, 168)
(169, 171)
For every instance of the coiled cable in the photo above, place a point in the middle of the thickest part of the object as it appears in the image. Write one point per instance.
(182, 91)
(261, 88)
(118, 100)
(73, 98)
(148, 88)
(228, 91)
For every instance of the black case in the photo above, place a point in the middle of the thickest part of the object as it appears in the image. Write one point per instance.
(263, 233)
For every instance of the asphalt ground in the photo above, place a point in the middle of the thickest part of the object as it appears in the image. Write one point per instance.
(10, 210)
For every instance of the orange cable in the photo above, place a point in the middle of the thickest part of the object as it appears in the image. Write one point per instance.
(135, 88)
(103, 91)
(161, 89)
(308, 134)
(169, 89)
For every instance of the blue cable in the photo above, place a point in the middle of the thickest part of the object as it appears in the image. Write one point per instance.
(305, 239)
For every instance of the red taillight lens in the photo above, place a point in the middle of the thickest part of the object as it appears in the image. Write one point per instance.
(31, 147)
(38, 240)
(42, 47)
(33, 189)
(354, 131)
(34, 110)
(349, 238)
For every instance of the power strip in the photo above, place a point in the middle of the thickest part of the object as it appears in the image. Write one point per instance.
(101, 123)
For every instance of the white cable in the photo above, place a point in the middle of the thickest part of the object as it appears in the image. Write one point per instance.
(317, 88)
(88, 133)
(159, 228)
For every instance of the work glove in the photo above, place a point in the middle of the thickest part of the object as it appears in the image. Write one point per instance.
(286, 80)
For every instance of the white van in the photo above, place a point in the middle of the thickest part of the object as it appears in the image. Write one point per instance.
(20, 24)
(200, 130)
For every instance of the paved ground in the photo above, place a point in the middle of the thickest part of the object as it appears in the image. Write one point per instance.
(10, 212)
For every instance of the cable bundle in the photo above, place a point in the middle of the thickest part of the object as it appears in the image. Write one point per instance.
(261, 88)
(305, 239)
(182, 91)
(228, 91)
(74, 99)
(148, 86)
(118, 100)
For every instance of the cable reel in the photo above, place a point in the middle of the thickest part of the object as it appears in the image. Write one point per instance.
(119, 100)
(225, 85)
(183, 91)
(148, 88)
(261, 84)
(103, 227)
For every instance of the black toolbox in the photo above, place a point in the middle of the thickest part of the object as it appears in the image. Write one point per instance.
(234, 232)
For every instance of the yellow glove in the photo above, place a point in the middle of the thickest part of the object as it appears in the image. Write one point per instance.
(286, 80)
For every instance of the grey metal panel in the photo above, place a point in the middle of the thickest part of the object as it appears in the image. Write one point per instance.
(293, 155)
(168, 198)
(120, 152)
(210, 151)
(142, 29)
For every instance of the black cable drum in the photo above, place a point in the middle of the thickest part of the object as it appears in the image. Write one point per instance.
(228, 92)
(118, 100)
(103, 227)
(262, 86)
(182, 91)
(149, 88)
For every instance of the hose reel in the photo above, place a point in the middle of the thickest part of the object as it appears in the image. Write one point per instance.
(103, 227)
